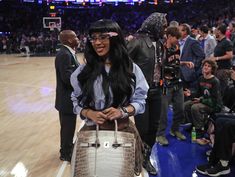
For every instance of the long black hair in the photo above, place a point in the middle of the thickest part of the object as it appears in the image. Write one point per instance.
(120, 78)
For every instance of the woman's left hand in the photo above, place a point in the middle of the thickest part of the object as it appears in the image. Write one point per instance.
(112, 113)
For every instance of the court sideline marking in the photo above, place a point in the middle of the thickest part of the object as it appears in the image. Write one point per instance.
(61, 170)
(64, 164)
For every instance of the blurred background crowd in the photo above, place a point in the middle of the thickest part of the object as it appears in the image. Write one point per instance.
(22, 22)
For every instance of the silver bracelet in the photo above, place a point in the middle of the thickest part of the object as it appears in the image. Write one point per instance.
(124, 114)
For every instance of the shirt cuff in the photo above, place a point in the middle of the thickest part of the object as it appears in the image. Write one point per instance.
(137, 108)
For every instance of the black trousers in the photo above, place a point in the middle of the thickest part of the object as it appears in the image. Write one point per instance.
(147, 123)
(67, 130)
(224, 138)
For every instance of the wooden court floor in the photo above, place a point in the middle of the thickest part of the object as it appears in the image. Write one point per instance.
(29, 123)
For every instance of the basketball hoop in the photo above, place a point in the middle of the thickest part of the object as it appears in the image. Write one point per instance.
(52, 23)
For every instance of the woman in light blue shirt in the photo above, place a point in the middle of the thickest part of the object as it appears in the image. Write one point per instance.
(109, 85)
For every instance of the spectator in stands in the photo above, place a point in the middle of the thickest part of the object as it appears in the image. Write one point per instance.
(223, 55)
(229, 96)
(222, 150)
(146, 50)
(109, 85)
(195, 34)
(65, 65)
(232, 38)
(208, 100)
(174, 23)
(209, 13)
(208, 41)
(190, 50)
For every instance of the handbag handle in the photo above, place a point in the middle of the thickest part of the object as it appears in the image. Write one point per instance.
(97, 143)
(115, 143)
(115, 133)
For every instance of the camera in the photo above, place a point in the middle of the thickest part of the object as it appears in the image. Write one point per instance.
(171, 71)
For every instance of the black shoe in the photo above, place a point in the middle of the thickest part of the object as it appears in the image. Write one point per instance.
(202, 168)
(65, 158)
(149, 168)
(218, 170)
(66, 153)
(146, 163)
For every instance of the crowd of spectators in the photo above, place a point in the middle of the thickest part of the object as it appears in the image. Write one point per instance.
(23, 22)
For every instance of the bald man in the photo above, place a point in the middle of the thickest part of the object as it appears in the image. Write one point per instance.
(65, 64)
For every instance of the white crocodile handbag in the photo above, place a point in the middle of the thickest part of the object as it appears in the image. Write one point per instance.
(104, 153)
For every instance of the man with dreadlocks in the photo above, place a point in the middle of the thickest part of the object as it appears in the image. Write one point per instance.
(146, 49)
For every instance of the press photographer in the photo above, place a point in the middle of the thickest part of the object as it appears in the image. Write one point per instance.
(171, 75)
(171, 67)
(172, 87)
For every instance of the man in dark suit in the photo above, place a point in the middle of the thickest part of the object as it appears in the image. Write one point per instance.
(65, 64)
(190, 50)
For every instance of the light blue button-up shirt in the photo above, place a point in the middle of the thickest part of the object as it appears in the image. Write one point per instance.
(137, 99)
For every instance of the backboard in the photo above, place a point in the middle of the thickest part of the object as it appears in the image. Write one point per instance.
(52, 22)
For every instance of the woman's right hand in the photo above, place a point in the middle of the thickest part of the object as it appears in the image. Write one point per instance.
(97, 116)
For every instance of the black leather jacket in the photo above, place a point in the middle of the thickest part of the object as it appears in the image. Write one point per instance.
(142, 52)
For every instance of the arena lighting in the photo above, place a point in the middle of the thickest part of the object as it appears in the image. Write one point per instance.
(28, 1)
(53, 14)
(92, 1)
(100, 3)
(19, 170)
(167, 1)
(75, 4)
(52, 7)
(4, 33)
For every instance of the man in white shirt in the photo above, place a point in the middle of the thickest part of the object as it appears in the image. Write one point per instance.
(208, 42)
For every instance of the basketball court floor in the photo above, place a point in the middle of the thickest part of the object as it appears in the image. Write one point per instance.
(29, 126)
